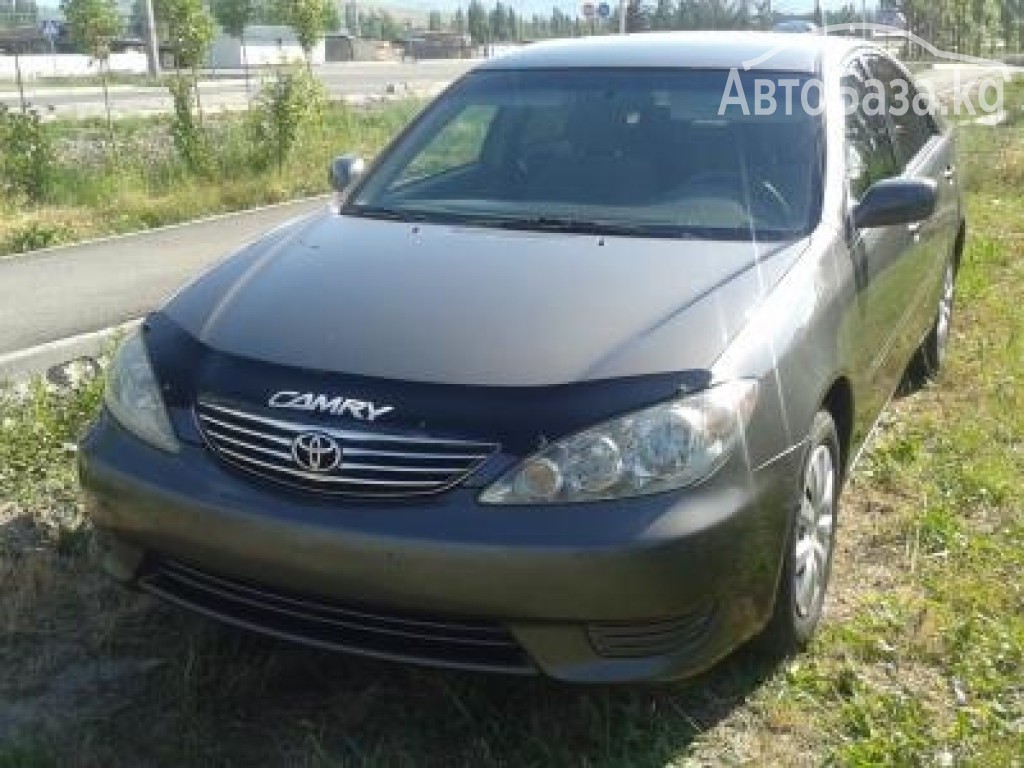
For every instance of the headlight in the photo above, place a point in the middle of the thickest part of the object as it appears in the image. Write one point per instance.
(671, 445)
(133, 397)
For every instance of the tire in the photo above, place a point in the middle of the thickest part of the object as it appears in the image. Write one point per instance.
(928, 358)
(810, 545)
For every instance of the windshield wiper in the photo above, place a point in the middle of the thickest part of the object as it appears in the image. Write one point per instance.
(586, 226)
(540, 223)
(385, 212)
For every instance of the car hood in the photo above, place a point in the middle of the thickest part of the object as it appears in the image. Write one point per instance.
(476, 306)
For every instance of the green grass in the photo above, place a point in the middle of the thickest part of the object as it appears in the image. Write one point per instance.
(919, 662)
(94, 190)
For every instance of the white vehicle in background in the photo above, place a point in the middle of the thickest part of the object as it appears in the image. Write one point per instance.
(798, 26)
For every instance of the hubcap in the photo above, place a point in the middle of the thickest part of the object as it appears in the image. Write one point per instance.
(945, 317)
(814, 530)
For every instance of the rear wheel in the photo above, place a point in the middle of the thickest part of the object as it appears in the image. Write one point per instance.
(929, 357)
(808, 556)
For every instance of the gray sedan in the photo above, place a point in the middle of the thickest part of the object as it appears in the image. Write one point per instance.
(568, 381)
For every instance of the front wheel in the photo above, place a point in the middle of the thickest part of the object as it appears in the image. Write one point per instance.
(809, 548)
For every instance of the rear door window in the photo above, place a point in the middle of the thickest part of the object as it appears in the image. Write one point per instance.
(912, 126)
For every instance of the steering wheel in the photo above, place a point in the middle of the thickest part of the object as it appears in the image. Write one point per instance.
(732, 181)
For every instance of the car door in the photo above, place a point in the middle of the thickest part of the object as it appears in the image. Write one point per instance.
(923, 151)
(878, 253)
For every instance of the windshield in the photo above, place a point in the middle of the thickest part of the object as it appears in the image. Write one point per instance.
(641, 152)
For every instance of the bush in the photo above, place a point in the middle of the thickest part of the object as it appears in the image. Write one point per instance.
(189, 138)
(38, 234)
(287, 106)
(26, 155)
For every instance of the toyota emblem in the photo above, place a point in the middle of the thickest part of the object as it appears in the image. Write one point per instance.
(316, 452)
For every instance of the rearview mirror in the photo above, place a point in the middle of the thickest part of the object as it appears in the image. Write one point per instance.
(895, 201)
(345, 170)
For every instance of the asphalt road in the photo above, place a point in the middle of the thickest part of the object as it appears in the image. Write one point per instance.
(352, 80)
(65, 292)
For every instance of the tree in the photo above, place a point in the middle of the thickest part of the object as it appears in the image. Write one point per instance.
(190, 31)
(459, 22)
(848, 14)
(234, 16)
(763, 14)
(272, 13)
(476, 21)
(369, 26)
(332, 19)
(390, 29)
(664, 15)
(434, 21)
(497, 21)
(742, 15)
(638, 16)
(94, 24)
(1009, 23)
(309, 19)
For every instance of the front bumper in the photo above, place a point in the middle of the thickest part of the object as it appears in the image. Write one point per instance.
(650, 588)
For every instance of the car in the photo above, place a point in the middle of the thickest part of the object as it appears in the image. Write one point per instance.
(567, 381)
(798, 26)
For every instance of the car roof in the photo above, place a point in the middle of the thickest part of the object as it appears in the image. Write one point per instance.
(699, 50)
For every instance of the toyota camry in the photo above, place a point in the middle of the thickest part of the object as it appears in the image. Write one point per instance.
(567, 381)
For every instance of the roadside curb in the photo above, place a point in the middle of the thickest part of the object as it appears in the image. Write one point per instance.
(37, 360)
(39, 252)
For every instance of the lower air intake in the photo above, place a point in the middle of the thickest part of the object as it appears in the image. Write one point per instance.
(419, 638)
(651, 638)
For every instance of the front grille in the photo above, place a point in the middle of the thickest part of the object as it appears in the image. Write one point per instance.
(649, 638)
(373, 464)
(419, 638)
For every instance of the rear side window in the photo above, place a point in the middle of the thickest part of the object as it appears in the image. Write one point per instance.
(870, 155)
(911, 127)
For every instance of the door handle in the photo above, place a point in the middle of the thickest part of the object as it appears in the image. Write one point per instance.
(914, 228)
(949, 173)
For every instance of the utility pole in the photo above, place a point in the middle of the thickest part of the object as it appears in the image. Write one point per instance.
(152, 45)
(622, 17)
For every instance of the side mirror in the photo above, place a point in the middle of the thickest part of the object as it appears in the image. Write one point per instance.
(895, 201)
(345, 170)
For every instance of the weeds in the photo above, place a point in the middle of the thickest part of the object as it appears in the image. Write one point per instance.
(158, 176)
(26, 156)
(190, 140)
(39, 428)
(290, 104)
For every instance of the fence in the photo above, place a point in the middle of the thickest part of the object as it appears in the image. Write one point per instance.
(69, 64)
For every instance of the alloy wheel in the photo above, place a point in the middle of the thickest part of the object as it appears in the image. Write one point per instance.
(815, 527)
